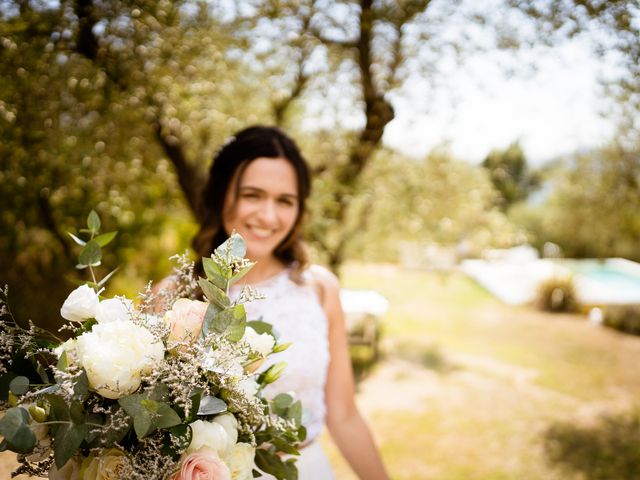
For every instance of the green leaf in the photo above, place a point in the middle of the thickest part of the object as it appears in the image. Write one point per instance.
(182, 435)
(196, 398)
(104, 239)
(211, 406)
(81, 385)
(162, 415)
(142, 423)
(270, 463)
(281, 403)
(261, 327)
(214, 273)
(213, 293)
(91, 254)
(93, 221)
(227, 317)
(14, 427)
(67, 440)
(19, 385)
(239, 274)
(63, 362)
(79, 241)
(295, 412)
(234, 246)
(209, 316)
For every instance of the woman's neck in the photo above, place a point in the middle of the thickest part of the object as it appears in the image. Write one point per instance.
(263, 269)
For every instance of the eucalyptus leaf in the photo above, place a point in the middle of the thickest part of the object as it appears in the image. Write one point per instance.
(211, 406)
(239, 274)
(67, 440)
(19, 385)
(104, 239)
(270, 463)
(81, 385)
(79, 241)
(295, 412)
(14, 427)
(234, 246)
(142, 423)
(63, 362)
(91, 254)
(213, 293)
(260, 327)
(93, 221)
(281, 403)
(214, 273)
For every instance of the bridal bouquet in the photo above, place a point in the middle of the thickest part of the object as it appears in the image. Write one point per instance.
(168, 389)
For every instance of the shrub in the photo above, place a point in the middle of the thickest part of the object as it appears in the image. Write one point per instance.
(607, 450)
(557, 294)
(625, 318)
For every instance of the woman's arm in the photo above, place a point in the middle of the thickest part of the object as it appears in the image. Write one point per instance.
(347, 427)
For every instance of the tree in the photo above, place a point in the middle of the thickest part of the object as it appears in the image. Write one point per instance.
(510, 175)
(592, 206)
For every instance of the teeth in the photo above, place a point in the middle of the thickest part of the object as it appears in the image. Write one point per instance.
(261, 232)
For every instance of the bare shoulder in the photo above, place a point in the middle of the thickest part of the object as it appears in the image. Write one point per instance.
(326, 284)
(324, 277)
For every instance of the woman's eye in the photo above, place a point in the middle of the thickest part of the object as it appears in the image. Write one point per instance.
(287, 201)
(250, 195)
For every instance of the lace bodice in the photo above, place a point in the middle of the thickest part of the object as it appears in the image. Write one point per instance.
(297, 316)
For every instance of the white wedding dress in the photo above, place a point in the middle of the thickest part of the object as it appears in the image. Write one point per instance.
(296, 315)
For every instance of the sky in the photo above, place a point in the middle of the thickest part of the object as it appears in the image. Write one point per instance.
(552, 111)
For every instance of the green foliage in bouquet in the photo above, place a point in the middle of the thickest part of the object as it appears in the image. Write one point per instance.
(148, 392)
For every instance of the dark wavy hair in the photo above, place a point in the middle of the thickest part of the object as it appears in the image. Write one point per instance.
(234, 157)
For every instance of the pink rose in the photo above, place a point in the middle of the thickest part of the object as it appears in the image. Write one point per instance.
(203, 464)
(185, 319)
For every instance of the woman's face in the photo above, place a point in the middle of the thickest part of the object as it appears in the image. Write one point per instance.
(266, 206)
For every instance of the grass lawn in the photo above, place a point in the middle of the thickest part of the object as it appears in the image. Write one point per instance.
(467, 386)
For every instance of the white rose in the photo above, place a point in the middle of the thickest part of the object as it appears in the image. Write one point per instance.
(80, 305)
(230, 425)
(240, 461)
(114, 309)
(262, 344)
(248, 386)
(110, 465)
(69, 471)
(211, 435)
(116, 354)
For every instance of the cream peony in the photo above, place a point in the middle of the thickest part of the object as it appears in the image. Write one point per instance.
(113, 310)
(260, 343)
(218, 436)
(230, 425)
(115, 355)
(185, 319)
(80, 305)
(108, 466)
(240, 461)
(204, 464)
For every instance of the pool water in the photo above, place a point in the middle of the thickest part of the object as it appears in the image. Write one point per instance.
(604, 280)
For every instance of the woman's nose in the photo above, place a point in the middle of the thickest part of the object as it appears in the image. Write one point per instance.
(268, 212)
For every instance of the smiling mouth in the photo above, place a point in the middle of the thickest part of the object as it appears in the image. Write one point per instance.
(261, 232)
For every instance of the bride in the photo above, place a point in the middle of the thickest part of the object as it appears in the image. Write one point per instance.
(258, 185)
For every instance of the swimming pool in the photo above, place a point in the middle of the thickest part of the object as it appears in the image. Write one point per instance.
(598, 282)
(613, 280)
